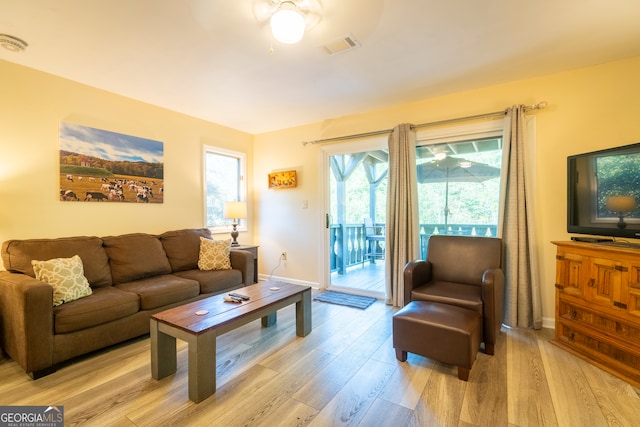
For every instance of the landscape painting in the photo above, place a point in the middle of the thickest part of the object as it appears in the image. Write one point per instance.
(102, 166)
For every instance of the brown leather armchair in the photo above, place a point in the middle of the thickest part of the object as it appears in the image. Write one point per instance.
(465, 272)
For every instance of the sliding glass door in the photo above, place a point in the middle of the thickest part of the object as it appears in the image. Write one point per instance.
(459, 192)
(356, 180)
(459, 185)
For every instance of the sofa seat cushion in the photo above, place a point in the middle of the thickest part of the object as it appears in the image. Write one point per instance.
(213, 281)
(102, 306)
(183, 247)
(461, 295)
(162, 290)
(135, 256)
(18, 254)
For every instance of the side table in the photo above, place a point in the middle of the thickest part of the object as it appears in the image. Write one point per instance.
(254, 250)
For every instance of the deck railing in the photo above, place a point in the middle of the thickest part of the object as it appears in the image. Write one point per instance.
(428, 230)
(349, 245)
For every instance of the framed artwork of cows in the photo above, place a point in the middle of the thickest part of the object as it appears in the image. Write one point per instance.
(280, 180)
(103, 166)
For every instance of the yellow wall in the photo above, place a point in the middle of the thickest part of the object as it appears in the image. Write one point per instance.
(32, 106)
(589, 109)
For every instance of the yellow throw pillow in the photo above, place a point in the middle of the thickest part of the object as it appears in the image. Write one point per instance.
(214, 254)
(66, 276)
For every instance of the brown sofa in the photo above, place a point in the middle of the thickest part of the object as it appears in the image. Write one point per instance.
(131, 276)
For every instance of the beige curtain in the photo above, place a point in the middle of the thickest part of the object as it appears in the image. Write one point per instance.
(522, 287)
(402, 239)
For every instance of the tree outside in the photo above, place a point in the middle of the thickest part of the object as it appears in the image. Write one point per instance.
(468, 202)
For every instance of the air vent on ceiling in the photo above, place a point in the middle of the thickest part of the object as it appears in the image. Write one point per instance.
(342, 44)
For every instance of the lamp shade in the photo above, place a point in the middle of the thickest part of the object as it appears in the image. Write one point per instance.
(622, 204)
(287, 23)
(235, 210)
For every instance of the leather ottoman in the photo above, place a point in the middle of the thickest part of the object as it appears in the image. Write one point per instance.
(441, 332)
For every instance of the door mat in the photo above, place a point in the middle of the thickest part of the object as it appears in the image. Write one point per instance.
(340, 298)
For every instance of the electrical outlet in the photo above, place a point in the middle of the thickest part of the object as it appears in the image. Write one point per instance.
(283, 256)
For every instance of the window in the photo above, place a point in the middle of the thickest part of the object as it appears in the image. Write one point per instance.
(224, 173)
(616, 181)
(459, 182)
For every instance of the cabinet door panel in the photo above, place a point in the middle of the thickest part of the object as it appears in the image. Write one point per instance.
(631, 292)
(570, 273)
(606, 281)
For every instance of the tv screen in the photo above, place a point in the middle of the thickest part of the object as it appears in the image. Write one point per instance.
(604, 192)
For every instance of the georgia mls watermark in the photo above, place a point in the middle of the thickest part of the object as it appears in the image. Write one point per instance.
(31, 416)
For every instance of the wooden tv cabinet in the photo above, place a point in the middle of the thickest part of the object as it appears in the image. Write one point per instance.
(598, 305)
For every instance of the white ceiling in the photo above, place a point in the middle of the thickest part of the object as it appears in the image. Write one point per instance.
(211, 58)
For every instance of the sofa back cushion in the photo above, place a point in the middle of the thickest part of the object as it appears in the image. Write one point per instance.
(183, 247)
(135, 256)
(18, 254)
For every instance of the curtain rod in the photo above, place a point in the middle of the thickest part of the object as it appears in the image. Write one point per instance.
(539, 106)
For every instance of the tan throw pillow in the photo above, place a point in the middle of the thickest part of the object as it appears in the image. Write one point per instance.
(66, 276)
(214, 254)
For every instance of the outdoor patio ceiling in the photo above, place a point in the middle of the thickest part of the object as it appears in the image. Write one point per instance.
(460, 147)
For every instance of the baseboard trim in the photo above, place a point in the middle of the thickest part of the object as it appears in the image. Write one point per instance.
(264, 278)
(549, 322)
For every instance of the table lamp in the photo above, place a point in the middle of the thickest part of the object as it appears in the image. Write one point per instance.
(235, 211)
(621, 205)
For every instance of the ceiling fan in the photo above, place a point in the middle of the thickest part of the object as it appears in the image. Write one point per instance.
(289, 19)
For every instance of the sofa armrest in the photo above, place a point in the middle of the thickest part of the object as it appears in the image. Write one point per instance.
(26, 320)
(243, 261)
(493, 302)
(416, 273)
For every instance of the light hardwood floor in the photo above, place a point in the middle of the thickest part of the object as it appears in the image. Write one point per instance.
(343, 373)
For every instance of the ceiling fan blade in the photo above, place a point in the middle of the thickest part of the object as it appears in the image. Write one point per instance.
(311, 20)
(309, 6)
(263, 9)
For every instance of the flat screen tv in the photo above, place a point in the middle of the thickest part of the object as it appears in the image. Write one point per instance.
(604, 192)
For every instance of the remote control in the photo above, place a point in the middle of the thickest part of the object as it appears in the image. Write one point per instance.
(232, 299)
(239, 296)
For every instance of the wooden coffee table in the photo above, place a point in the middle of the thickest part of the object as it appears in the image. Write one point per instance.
(200, 330)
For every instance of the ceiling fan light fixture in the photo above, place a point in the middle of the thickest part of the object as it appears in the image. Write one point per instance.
(440, 155)
(12, 44)
(287, 23)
